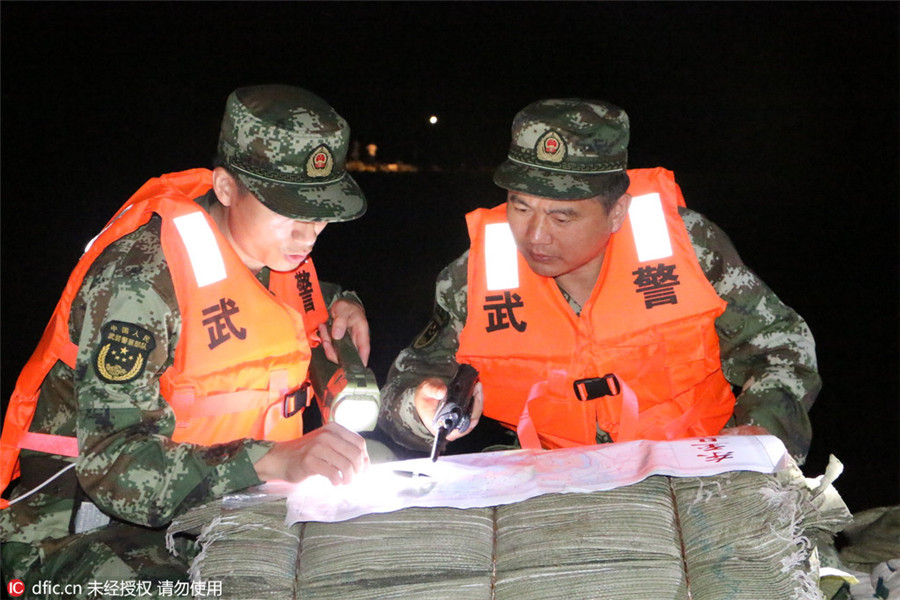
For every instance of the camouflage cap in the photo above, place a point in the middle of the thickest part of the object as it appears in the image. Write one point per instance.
(564, 149)
(289, 147)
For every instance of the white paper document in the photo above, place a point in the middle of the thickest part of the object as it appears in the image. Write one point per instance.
(496, 478)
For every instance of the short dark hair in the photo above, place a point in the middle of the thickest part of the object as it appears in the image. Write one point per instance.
(613, 185)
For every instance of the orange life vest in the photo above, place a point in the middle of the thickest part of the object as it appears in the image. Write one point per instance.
(243, 351)
(649, 321)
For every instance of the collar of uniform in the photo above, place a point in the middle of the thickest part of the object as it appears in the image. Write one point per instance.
(572, 302)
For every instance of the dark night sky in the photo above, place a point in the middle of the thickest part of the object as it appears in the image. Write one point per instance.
(780, 121)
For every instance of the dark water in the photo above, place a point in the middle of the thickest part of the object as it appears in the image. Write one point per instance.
(836, 267)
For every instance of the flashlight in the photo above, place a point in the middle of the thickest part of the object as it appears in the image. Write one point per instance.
(348, 392)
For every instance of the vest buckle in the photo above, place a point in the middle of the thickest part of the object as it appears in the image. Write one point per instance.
(295, 401)
(591, 388)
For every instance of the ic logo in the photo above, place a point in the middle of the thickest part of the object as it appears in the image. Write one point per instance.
(15, 587)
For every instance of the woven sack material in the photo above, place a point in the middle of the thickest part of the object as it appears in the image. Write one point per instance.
(731, 536)
(412, 553)
(248, 549)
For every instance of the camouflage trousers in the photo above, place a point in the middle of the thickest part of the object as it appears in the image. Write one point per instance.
(115, 561)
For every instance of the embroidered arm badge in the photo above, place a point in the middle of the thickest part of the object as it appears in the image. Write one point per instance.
(439, 319)
(123, 351)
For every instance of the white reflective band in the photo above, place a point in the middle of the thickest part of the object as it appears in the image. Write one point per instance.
(91, 243)
(500, 262)
(94, 239)
(198, 238)
(648, 224)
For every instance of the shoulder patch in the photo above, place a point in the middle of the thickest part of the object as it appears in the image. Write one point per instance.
(123, 351)
(439, 318)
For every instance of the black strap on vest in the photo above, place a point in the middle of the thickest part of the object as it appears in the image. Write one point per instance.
(597, 387)
(296, 401)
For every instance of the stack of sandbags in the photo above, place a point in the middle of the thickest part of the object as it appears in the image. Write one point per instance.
(735, 535)
(246, 549)
(621, 543)
(412, 553)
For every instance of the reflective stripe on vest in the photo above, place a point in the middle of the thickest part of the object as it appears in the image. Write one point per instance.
(500, 265)
(648, 226)
(200, 242)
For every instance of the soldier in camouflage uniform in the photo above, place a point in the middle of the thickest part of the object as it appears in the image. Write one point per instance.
(130, 477)
(766, 349)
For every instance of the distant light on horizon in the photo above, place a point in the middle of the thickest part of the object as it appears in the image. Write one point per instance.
(433, 119)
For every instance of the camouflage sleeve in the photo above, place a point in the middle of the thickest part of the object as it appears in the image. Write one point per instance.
(432, 354)
(129, 464)
(767, 349)
(332, 292)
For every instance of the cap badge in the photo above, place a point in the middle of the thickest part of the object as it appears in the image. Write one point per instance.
(320, 162)
(551, 148)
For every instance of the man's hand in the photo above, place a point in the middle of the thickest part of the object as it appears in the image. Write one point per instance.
(331, 450)
(347, 316)
(745, 430)
(429, 395)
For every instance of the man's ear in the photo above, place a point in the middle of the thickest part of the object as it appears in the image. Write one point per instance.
(619, 211)
(224, 186)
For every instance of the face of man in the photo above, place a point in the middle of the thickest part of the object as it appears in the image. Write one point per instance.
(260, 236)
(563, 238)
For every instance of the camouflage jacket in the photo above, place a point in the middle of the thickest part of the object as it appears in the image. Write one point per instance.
(767, 349)
(131, 469)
